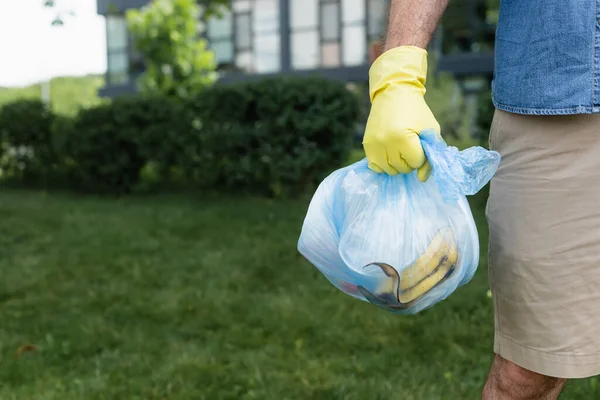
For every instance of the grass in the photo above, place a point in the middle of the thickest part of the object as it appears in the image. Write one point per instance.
(172, 297)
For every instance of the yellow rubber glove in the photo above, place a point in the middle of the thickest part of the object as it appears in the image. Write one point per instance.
(398, 113)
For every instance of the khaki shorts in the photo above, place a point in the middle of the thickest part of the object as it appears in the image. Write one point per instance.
(544, 259)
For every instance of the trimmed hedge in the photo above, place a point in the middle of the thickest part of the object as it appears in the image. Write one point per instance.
(277, 137)
(111, 143)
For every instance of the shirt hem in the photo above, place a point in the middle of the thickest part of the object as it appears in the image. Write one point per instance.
(544, 110)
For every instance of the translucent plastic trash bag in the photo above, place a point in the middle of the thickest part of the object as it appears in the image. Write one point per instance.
(394, 241)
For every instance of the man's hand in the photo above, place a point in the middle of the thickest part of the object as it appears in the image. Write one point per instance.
(397, 88)
(398, 113)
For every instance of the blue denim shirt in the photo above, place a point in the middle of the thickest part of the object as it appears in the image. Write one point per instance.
(547, 57)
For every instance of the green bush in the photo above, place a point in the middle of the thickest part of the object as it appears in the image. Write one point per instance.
(105, 154)
(111, 143)
(160, 127)
(276, 136)
(27, 143)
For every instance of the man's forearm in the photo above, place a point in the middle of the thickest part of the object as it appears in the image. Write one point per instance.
(412, 22)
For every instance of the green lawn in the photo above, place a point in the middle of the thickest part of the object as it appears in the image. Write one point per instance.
(173, 297)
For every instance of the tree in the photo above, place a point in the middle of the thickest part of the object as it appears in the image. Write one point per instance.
(214, 7)
(177, 59)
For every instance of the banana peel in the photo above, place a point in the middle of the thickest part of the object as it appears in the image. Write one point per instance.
(429, 270)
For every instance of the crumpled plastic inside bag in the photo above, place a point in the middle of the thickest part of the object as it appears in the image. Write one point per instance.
(401, 244)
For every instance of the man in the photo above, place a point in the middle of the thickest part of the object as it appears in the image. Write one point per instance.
(544, 204)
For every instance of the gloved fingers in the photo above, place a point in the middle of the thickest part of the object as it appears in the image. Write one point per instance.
(396, 161)
(377, 159)
(387, 168)
(412, 151)
(424, 172)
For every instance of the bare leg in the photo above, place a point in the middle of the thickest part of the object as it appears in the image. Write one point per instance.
(508, 381)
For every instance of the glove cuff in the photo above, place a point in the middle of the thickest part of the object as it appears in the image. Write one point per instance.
(404, 65)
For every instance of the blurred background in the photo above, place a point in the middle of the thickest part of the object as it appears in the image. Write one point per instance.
(157, 159)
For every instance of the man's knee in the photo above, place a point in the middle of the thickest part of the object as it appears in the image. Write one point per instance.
(508, 380)
(516, 375)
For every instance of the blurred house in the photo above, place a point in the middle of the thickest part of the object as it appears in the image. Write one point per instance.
(333, 38)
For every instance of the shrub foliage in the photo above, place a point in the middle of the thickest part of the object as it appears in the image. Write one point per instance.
(276, 136)
(27, 148)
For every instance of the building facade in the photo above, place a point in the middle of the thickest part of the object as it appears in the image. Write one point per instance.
(333, 38)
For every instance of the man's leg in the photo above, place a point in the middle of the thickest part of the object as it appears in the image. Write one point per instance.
(508, 381)
(544, 251)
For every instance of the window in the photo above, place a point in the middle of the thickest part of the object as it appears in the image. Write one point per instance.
(322, 34)
(220, 33)
(220, 28)
(117, 43)
(377, 18)
(330, 33)
(304, 14)
(330, 54)
(247, 38)
(242, 5)
(330, 22)
(305, 49)
(116, 29)
(304, 17)
(266, 45)
(266, 16)
(355, 45)
(223, 52)
(243, 31)
(354, 32)
(353, 11)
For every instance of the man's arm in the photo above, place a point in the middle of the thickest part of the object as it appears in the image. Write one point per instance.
(397, 78)
(412, 22)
